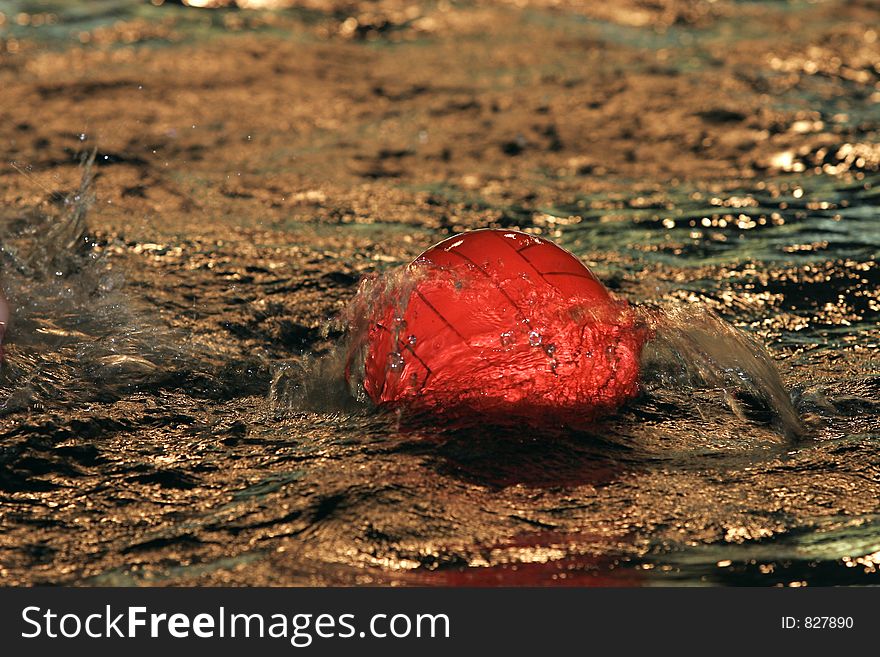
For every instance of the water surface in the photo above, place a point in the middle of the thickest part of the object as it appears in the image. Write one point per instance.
(250, 167)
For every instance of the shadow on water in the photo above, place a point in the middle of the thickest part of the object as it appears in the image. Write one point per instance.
(503, 456)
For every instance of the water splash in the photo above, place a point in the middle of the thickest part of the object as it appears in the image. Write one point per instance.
(694, 359)
(333, 381)
(693, 348)
(73, 333)
(312, 384)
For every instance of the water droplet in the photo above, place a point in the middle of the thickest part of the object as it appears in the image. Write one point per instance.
(395, 361)
(82, 136)
(411, 339)
(507, 338)
(550, 349)
(534, 338)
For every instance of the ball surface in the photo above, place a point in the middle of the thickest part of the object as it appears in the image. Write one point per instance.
(499, 325)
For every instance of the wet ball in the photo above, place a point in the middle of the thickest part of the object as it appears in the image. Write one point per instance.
(500, 326)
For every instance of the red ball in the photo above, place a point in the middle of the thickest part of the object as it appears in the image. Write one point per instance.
(498, 326)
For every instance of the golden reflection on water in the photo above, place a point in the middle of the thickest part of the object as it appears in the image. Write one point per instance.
(685, 165)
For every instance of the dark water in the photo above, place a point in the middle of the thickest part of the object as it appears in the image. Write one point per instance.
(134, 449)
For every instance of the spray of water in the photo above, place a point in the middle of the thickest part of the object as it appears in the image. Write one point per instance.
(335, 380)
(73, 334)
(693, 356)
(692, 349)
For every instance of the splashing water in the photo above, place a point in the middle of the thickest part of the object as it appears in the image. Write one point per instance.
(335, 380)
(692, 348)
(692, 357)
(74, 334)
